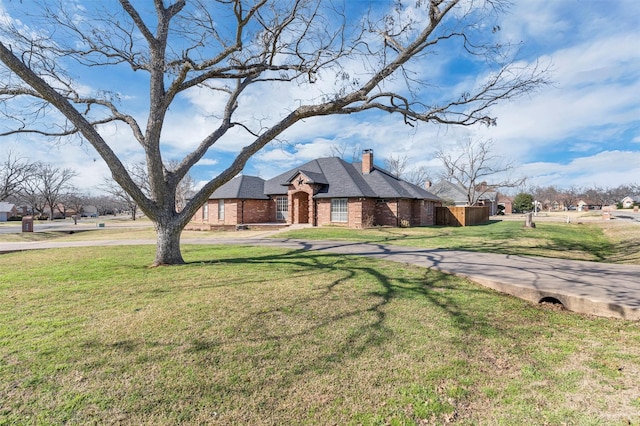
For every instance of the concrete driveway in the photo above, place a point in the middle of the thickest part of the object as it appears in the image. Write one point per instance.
(593, 288)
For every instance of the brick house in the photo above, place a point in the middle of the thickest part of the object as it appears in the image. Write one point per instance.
(325, 191)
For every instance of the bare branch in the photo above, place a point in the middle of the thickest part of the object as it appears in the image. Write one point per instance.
(235, 51)
(471, 164)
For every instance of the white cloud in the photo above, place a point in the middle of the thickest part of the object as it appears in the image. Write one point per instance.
(605, 169)
(207, 162)
(592, 103)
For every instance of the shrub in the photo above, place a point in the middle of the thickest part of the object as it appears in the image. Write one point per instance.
(523, 202)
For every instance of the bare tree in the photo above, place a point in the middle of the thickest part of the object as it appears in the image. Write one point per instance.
(138, 172)
(45, 187)
(346, 151)
(571, 196)
(76, 201)
(111, 187)
(31, 195)
(471, 164)
(398, 166)
(234, 47)
(418, 176)
(547, 196)
(14, 170)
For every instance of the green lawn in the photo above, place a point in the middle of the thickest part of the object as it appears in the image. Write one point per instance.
(245, 335)
(601, 242)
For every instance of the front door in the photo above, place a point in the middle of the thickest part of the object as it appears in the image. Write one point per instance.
(300, 207)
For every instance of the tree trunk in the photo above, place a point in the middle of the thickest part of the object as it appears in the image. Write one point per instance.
(528, 221)
(168, 245)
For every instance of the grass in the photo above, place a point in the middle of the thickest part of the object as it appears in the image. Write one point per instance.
(610, 242)
(246, 335)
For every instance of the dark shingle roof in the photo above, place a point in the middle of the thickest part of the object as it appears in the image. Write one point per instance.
(242, 187)
(449, 191)
(456, 192)
(342, 179)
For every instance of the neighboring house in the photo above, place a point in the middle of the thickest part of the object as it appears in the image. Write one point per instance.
(239, 201)
(456, 195)
(58, 212)
(554, 205)
(628, 202)
(6, 211)
(584, 205)
(325, 191)
(506, 203)
(89, 211)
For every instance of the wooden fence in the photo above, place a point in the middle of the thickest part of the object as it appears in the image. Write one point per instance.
(461, 216)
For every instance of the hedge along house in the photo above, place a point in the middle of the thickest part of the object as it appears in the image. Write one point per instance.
(325, 191)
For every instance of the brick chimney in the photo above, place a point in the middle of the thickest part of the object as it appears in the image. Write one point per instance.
(482, 187)
(367, 161)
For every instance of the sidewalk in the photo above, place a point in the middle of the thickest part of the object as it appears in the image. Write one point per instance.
(601, 289)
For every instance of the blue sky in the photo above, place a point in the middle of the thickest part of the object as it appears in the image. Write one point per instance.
(583, 129)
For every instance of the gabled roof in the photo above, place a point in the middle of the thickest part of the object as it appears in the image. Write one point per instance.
(312, 177)
(341, 179)
(456, 192)
(6, 207)
(449, 191)
(242, 187)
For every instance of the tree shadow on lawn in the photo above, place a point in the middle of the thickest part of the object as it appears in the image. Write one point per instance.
(275, 349)
(435, 288)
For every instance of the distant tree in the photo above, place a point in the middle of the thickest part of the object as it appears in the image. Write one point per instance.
(472, 165)
(418, 176)
(346, 151)
(233, 49)
(546, 195)
(46, 185)
(523, 202)
(113, 188)
(616, 194)
(399, 166)
(107, 204)
(598, 195)
(139, 174)
(396, 164)
(30, 194)
(75, 201)
(14, 170)
(571, 196)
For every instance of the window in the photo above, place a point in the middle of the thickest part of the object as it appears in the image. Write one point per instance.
(205, 211)
(282, 209)
(220, 209)
(339, 210)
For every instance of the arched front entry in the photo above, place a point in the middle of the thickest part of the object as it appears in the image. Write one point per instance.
(300, 204)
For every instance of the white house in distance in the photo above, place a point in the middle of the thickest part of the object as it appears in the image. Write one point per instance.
(628, 202)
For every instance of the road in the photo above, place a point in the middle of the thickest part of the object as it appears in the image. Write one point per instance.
(68, 225)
